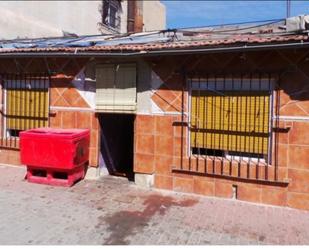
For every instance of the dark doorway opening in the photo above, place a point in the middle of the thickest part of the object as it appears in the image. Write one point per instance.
(117, 144)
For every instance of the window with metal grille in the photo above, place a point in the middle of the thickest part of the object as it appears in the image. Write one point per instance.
(231, 117)
(26, 102)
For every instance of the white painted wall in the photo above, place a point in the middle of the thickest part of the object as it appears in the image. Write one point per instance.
(32, 19)
(29, 19)
(154, 15)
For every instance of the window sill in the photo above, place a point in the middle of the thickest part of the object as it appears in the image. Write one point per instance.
(283, 183)
(109, 28)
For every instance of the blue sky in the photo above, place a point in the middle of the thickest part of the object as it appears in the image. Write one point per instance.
(199, 13)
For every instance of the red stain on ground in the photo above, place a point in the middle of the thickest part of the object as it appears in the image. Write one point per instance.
(125, 223)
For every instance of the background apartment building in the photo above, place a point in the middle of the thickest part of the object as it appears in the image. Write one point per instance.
(32, 19)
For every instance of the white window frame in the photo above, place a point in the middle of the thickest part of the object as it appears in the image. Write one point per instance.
(232, 157)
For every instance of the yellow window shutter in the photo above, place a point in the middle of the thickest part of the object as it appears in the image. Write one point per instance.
(233, 121)
(26, 108)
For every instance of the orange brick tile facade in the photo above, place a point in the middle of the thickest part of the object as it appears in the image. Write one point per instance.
(64, 95)
(291, 104)
(80, 120)
(9, 156)
(162, 153)
(157, 140)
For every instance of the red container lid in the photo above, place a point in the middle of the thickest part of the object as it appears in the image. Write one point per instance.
(60, 133)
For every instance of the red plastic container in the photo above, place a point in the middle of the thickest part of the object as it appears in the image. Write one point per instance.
(55, 177)
(55, 156)
(54, 148)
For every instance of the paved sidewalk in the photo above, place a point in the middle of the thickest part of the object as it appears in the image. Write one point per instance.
(114, 211)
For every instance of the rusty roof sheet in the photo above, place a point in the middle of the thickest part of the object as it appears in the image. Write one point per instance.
(158, 41)
(161, 46)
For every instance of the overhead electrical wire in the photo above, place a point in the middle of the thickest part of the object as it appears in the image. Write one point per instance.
(187, 30)
(231, 24)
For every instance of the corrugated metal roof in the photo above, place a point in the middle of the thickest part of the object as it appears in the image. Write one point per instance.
(151, 41)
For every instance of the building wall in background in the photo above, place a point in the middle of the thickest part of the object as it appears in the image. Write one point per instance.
(29, 19)
(154, 15)
(32, 19)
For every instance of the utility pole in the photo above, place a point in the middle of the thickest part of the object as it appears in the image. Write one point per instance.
(288, 8)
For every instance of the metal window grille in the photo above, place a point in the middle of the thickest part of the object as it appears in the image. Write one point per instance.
(230, 117)
(25, 104)
(227, 128)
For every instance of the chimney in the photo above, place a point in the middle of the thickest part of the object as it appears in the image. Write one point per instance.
(135, 16)
(138, 24)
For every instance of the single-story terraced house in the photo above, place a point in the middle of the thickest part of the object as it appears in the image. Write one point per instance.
(218, 111)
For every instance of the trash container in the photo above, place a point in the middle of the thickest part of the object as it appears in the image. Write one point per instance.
(55, 156)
